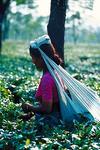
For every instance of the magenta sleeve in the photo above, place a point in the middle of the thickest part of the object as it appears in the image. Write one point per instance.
(47, 89)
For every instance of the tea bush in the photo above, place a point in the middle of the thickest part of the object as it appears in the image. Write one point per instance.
(18, 82)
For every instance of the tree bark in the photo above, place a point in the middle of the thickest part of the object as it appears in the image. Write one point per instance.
(56, 24)
(3, 7)
(0, 38)
(6, 25)
(1, 20)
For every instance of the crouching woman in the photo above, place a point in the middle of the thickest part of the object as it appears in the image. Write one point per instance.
(46, 94)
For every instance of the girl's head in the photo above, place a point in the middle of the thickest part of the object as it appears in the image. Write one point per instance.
(46, 46)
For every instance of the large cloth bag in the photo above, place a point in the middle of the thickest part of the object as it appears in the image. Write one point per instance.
(83, 100)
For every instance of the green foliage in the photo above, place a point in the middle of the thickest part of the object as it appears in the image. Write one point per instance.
(19, 81)
(25, 2)
(28, 27)
(20, 1)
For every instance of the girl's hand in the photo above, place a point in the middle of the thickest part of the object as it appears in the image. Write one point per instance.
(27, 107)
(26, 117)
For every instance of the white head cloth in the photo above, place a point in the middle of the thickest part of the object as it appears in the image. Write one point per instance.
(41, 40)
(83, 100)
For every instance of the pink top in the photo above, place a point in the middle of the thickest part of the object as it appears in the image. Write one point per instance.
(47, 89)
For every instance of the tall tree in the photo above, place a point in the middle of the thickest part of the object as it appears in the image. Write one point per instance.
(6, 25)
(4, 4)
(56, 24)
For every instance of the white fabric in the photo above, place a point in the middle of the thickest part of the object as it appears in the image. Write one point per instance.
(41, 40)
(83, 100)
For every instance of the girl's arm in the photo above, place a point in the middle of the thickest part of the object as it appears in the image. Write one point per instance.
(44, 107)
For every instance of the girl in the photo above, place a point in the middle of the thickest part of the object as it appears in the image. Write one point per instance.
(46, 94)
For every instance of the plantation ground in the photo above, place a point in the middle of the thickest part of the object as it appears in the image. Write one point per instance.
(18, 82)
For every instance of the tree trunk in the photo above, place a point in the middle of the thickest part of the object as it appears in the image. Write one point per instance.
(3, 7)
(6, 25)
(74, 32)
(1, 19)
(56, 24)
